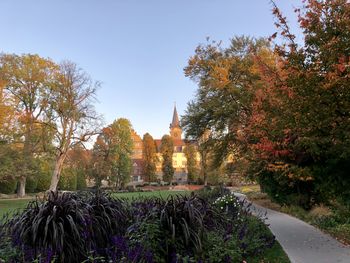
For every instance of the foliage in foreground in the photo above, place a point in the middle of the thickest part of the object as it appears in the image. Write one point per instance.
(93, 227)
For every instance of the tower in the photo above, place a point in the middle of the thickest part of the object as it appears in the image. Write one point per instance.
(175, 129)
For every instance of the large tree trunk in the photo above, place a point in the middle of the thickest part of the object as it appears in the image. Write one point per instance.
(57, 172)
(22, 187)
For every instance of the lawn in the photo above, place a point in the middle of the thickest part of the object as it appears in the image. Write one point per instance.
(11, 205)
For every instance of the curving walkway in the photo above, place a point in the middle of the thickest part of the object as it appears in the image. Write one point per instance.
(302, 242)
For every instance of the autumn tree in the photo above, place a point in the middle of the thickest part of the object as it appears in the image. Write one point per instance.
(78, 160)
(7, 115)
(227, 80)
(27, 79)
(72, 114)
(306, 125)
(149, 157)
(167, 150)
(112, 154)
(102, 157)
(192, 164)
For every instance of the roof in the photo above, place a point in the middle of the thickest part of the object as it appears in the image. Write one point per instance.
(175, 122)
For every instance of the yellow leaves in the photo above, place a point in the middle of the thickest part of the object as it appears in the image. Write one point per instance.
(265, 58)
(220, 73)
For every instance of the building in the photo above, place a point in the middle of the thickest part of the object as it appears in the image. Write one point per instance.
(179, 157)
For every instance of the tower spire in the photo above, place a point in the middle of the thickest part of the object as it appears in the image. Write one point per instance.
(175, 122)
(175, 129)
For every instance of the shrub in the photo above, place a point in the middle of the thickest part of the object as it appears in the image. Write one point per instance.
(185, 221)
(229, 204)
(8, 185)
(31, 184)
(43, 182)
(211, 194)
(108, 217)
(44, 178)
(288, 191)
(68, 180)
(55, 227)
(95, 227)
(217, 248)
(254, 237)
(81, 180)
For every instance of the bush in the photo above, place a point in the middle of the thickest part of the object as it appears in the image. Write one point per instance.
(211, 194)
(31, 184)
(68, 180)
(44, 178)
(288, 191)
(217, 247)
(81, 180)
(95, 227)
(43, 182)
(8, 185)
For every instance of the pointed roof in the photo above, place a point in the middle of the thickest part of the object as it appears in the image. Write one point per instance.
(175, 122)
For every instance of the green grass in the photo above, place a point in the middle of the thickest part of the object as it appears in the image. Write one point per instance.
(273, 255)
(11, 205)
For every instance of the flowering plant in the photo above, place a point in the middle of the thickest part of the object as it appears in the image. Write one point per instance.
(229, 204)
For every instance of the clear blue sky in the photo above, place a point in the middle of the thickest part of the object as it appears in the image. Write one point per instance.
(136, 48)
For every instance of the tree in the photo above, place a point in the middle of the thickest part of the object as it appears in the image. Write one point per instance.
(121, 168)
(192, 164)
(149, 156)
(7, 115)
(27, 80)
(102, 157)
(111, 155)
(306, 125)
(73, 117)
(167, 150)
(78, 160)
(227, 81)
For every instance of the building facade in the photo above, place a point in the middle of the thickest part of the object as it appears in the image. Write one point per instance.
(179, 157)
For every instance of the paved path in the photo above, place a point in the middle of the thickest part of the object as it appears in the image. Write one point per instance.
(302, 242)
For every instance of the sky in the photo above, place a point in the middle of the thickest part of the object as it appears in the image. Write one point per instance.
(137, 49)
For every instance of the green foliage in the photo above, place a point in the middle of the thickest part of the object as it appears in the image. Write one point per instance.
(255, 236)
(68, 180)
(192, 165)
(149, 157)
(167, 150)
(44, 180)
(288, 106)
(217, 249)
(8, 185)
(81, 180)
(112, 151)
(212, 194)
(86, 227)
(31, 184)
(289, 191)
